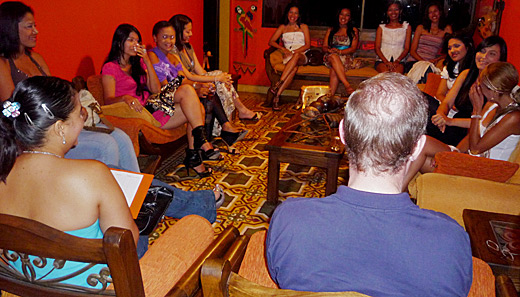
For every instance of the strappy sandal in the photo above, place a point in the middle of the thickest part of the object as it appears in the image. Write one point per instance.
(255, 118)
(277, 86)
(221, 197)
(276, 103)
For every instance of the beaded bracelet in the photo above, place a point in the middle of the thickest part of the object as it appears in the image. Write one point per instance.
(476, 116)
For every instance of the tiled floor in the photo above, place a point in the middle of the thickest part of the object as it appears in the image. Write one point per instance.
(244, 176)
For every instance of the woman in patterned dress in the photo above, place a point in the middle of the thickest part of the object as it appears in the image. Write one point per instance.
(341, 42)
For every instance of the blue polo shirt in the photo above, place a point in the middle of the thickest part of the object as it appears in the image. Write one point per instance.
(375, 244)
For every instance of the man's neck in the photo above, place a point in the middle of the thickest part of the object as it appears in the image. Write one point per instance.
(383, 183)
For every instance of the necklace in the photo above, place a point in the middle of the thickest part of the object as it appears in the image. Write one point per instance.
(42, 153)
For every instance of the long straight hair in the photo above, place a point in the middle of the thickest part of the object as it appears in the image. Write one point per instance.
(117, 50)
(11, 13)
(179, 21)
(335, 28)
(463, 96)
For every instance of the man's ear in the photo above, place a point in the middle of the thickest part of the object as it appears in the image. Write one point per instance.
(342, 131)
(418, 148)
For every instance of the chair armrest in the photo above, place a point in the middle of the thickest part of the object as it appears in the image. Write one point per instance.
(190, 281)
(236, 252)
(214, 276)
(504, 286)
(268, 52)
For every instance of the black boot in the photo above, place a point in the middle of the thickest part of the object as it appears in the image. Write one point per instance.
(193, 159)
(199, 139)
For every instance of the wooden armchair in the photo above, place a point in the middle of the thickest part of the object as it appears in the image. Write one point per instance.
(220, 280)
(20, 237)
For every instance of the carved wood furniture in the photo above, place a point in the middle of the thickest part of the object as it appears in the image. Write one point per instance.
(125, 274)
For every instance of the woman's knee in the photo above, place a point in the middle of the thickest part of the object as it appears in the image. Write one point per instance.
(186, 91)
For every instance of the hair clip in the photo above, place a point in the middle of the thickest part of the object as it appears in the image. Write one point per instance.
(48, 111)
(11, 109)
(28, 119)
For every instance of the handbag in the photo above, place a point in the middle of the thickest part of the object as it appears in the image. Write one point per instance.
(164, 100)
(93, 114)
(153, 209)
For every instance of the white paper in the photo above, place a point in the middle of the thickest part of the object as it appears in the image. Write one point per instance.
(129, 183)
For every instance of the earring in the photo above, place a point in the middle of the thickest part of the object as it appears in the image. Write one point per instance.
(63, 139)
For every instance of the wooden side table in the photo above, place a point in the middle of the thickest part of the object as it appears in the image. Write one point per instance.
(495, 238)
(301, 154)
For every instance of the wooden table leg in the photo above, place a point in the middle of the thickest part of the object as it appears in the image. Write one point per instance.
(273, 175)
(332, 176)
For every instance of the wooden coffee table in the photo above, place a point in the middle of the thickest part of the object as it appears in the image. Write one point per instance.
(486, 229)
(282, 151)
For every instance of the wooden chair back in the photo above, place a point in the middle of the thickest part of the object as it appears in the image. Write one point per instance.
(95, 87)
(20, 237)
(432, 84)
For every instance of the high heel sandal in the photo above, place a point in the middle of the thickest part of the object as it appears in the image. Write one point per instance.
(276, 103)
(193, 159)
(277, 86)
(221, 197)
(199, 139)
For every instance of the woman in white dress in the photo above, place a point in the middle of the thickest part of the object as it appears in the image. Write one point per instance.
(392, 40)
(296, 41)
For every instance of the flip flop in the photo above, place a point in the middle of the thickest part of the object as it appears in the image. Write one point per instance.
(255, 118)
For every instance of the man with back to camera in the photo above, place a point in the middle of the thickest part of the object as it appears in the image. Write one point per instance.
(369, 237)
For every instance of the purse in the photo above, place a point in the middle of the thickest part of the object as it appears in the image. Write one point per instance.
(163, 100)
(94, 114)
(153, 209)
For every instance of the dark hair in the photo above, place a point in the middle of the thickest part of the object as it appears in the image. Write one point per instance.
(474, 72)
(427, 23)
(28, 130)
(160, 25)
(390, 3)
(335, 28)
(179, 21)
(116, 54)
(11, 13)
(467, 61)
(286, 13)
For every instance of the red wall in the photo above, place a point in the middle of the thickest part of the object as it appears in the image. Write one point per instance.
(75, 36)
(508, 30)
(256, 45)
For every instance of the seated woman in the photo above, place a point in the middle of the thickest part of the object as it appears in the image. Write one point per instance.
(168, 67)
(296, 41)
(449, 126)
(392, 40)
(461, 56)
(126, 75)
(428, 38)
(494, 131)
(37, 128)
(18, 61)
(226, 92)
(461, 53)
(341, 42)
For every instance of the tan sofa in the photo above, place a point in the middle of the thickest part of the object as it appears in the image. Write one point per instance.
(452, 194)
(319, 75)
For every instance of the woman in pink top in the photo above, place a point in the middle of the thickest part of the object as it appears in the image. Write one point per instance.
(128, 76)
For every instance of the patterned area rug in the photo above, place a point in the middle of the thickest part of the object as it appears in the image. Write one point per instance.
(244, 176)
